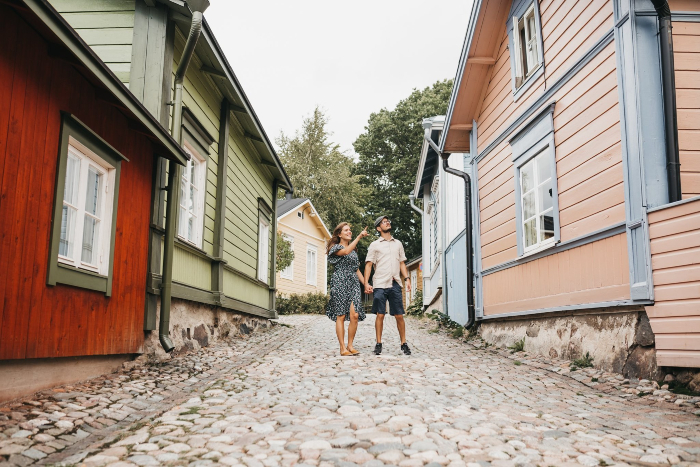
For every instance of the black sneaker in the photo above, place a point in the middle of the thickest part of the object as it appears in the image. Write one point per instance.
(405, 349)
(378, 349)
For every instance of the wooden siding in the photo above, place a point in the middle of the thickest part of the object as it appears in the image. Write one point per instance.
(107, 26)
(675, 261)
(37, 320)
(304, 231)
(593, 273)
(686, 48)
(589, 165)
(246, 181)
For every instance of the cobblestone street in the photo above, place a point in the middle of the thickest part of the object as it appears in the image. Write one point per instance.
(285, 397)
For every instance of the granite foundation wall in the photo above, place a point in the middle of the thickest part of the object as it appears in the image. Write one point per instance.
(620, 341)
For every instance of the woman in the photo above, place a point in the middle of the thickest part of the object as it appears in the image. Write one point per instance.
(346, 299)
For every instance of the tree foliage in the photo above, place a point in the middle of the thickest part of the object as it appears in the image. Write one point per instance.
(321, 172)
(285, 252)
(389, 151)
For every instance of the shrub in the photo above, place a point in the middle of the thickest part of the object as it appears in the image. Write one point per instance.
(416, 306)
(295, 304)
(586, 361)
(518, 346)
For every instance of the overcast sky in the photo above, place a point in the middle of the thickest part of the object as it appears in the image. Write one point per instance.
(349, 58)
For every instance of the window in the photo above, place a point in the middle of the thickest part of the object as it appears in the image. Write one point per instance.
(311, 264)
(537, 207)
(263, 249)
(288, 272)
(525, 44)
(84, 221)
(536, 188)
(191, 215)
(300, 214)
(414, 283)
(86, 210)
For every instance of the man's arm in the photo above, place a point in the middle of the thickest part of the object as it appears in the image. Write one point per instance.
(404, 274)
(368, 271)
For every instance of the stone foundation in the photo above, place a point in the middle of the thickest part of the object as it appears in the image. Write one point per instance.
(620, 341)
(194, 325)
(436, 303)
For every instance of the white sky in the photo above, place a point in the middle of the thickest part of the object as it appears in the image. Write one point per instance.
(350, 58)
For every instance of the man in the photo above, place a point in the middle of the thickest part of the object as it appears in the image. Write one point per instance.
(389, 260)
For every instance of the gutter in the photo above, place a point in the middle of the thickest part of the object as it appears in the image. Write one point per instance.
(175, 174)
(412, 199)
(471, 312)
(673, 166)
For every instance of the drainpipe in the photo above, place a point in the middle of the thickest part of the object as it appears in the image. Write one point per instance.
(673, 166)
(468, 226)
(174, 175)
(412, 198)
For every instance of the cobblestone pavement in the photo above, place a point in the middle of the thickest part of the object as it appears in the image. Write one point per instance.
(285, 397)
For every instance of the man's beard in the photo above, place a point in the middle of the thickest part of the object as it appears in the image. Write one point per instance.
(387, 230)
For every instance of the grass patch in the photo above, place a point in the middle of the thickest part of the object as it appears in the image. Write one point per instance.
(519, 346)
(193, 410)
(680, 388)
(517, 362)
(594, 380)
(138, 425)
(586, 361)
(433, 331)
(457, 332)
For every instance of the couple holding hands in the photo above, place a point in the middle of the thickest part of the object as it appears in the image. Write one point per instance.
(387, 256)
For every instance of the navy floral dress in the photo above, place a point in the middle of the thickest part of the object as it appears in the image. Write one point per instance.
(345, 286)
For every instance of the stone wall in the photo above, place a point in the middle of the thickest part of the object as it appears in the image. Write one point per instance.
(620, 341)
(194, 325)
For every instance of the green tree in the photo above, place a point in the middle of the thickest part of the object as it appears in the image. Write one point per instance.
(389, 151)
(284, 253)
(321, 172)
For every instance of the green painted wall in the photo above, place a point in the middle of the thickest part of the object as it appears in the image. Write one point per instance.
(246, 181)
(106, 26)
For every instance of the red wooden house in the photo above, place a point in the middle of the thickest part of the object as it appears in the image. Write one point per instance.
(76, 175)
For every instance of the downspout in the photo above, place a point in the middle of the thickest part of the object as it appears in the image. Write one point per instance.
(412, 198)
(668, 75)
(174, 175)
(468, 229)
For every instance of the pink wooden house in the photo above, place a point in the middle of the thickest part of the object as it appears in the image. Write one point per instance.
(581, 126)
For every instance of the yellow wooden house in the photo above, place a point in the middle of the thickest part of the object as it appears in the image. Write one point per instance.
(300, 224)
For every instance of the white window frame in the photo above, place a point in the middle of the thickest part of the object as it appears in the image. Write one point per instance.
(526, 53)
(87, 159)
(541, 157)
(311, 265)
(288, 272)
(536, 139)
(414, 283)
(263, 249)
(198, 165)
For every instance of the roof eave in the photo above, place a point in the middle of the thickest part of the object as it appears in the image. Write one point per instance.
(87, 58)
(476, 8)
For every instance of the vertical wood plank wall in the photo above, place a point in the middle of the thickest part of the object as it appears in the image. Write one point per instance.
(38, 320)
(106, 26)
(589, 165)
(675, 260)
(304, 231)
(686, 48)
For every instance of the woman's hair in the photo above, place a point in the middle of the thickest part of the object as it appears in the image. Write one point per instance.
(335, 239)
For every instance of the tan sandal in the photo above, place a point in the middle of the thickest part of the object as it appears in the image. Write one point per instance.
(345, 354)
(353, 351)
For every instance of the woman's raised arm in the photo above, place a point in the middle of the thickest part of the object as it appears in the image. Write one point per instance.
(349, 249)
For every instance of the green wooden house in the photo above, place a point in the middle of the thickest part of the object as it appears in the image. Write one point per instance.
(225, 221)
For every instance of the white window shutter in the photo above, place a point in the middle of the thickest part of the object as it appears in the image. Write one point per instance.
(517, 53)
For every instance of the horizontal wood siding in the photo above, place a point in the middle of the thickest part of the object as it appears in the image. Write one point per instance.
(593, 273)
(675, 260)
(246, 181)
(246, 290)
(39, 321)
(686, 48)
(107, 26)
(589, 165)
(304, 231)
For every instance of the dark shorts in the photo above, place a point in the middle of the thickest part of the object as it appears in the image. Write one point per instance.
(394, 295)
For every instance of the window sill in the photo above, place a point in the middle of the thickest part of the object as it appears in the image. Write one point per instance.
(518, 93)
(545, 246)
(82, 278)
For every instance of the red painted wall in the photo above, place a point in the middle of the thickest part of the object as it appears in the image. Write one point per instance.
(37, 320)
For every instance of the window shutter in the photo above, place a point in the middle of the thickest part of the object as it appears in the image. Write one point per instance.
(517, 54)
